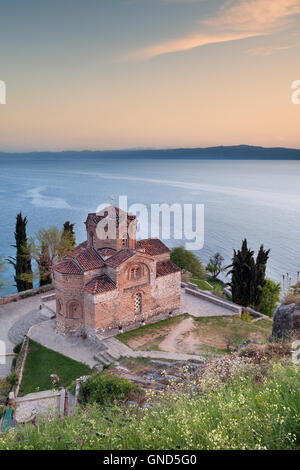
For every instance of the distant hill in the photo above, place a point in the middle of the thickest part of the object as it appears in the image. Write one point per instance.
(237, 152)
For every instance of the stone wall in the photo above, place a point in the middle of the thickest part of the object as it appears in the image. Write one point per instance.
(115, 308)
(69, 303)
(26, 293)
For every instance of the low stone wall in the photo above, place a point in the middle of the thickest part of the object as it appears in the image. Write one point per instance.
(21, 364)
(24, 294)
(257, 315)
(33, 404)
(237, 309)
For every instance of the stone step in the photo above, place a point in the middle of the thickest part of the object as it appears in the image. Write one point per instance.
(102, 359)
(116, 348)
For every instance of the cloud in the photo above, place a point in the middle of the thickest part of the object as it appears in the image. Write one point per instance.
(186, 43)
(258, 15)
(266, 51)
(235, 20)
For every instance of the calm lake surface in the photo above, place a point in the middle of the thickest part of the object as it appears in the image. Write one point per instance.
(259, 200)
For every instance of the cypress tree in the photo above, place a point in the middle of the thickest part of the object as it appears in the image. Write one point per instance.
(259, 280)
(242, 270)
(22, 261)
(69, 234)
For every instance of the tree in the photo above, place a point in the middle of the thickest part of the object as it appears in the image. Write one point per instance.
(270, 297)
(47, 247)
(22, 261)
(69, 234)
(242, 271)
(259, 278)
(187, 260)
(248, 275)
(44, 266)
(2, 268)
(215, 265)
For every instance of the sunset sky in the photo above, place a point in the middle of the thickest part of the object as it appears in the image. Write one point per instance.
(108, 74)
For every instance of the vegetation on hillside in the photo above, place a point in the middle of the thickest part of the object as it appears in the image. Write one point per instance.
(231, 405)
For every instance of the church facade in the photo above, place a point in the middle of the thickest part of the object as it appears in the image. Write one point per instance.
(112, 280)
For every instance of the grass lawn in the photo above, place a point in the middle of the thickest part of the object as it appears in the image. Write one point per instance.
(209, 336)
(216, 332)
(42, 362)
(216, 285)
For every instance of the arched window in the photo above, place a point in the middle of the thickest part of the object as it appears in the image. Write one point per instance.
(74, 309)
(138, 303)
(135, 273)
(124, 241)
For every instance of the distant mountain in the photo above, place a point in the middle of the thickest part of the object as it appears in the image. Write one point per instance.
(237, 152)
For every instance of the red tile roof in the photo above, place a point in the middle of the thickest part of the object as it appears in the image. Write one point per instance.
(163, 268)
(88, 258)
(106, 252)
(152, 246)
(100, 284)
(67, 267)
(119, 258)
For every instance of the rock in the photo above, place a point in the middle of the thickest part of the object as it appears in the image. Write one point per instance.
(286, 320)
(132, 403)
(147, 405)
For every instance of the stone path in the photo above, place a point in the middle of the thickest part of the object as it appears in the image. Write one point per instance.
(21, 327)
(10, 314)
(201, 308)
(74, 347)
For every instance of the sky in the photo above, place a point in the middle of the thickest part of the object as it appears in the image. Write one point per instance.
(110, 74)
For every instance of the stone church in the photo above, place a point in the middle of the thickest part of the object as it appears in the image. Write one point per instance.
(112, 281)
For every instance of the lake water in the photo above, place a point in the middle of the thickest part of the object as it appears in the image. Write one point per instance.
(259, 200)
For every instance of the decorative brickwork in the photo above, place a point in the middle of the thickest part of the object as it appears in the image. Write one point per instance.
(105, 284)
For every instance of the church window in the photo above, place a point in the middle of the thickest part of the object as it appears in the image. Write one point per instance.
(138, 303)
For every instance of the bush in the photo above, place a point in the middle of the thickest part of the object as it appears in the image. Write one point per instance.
(187, 260)
(104, 388)
(246, 316)
(17, 348)
(270, 297)
(4, 387)
(12, 378)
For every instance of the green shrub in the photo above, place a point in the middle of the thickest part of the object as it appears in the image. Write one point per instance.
(246, 316)
(4, 386)
(12, 378)
(17, 348)
(104, 388)
(270, 297)
(187, 260)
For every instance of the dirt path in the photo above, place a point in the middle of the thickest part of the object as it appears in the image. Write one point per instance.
(172, 342)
